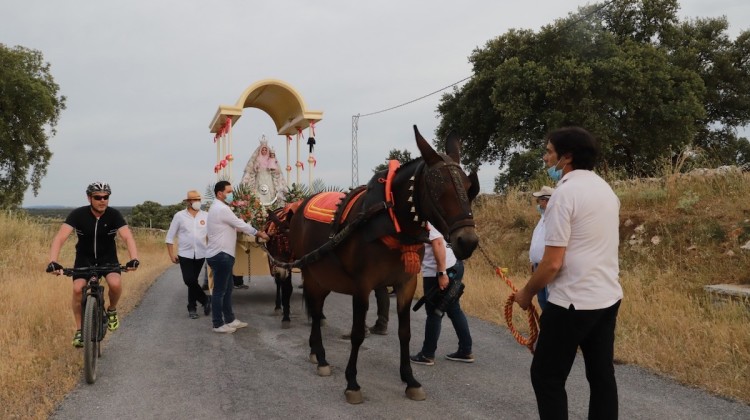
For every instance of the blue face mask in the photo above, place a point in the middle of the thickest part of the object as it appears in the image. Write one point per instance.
(555, 173)
(229, 198)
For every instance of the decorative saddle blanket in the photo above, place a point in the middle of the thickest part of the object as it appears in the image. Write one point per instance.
(323, 207)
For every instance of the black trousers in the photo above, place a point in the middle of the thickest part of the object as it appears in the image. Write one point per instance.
(384, 305)
(562, 331)
(191, 270)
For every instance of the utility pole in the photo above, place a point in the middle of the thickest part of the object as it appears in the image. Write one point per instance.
(355, 157)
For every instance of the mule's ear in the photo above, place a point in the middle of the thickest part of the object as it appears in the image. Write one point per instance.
(474, 189)
(428, 153)
(453, 147)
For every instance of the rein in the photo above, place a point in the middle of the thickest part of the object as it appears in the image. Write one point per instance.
(333, 242)
(533, 315)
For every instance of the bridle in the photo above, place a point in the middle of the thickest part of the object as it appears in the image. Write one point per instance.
(432, 182)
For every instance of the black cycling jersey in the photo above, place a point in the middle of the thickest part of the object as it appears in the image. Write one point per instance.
(96, 236)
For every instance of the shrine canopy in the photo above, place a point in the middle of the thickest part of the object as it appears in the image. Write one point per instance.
(276, 98)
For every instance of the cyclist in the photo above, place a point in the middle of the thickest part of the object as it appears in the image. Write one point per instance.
(96, 226)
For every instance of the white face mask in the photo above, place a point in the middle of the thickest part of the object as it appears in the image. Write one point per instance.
(196, 205)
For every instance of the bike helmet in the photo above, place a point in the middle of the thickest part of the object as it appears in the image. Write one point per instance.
(98, 187)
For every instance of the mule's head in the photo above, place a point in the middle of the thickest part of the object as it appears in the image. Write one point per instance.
(277, 229)
(446, 193)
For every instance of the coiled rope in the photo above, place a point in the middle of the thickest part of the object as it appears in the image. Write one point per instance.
(533, 315)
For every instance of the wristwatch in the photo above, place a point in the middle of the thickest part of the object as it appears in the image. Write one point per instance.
(440, 273)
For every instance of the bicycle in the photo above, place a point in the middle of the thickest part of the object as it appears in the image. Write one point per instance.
(94, 316)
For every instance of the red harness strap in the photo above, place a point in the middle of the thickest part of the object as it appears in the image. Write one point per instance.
(409, 255)
(393, 165)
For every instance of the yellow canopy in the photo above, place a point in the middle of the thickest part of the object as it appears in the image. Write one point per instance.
(277, 99)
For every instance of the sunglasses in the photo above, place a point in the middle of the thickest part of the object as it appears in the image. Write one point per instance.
(100, 197)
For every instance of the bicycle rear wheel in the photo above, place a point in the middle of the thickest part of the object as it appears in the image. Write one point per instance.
(92, 319)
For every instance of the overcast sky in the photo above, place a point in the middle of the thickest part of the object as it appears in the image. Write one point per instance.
(143, 79)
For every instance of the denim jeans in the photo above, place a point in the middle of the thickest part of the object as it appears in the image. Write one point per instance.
(454, 312)
(221, 298)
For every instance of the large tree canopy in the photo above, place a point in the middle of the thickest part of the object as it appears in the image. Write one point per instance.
(29, 111)
(646, 84)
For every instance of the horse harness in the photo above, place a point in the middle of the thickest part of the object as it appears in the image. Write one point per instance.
(433, 182)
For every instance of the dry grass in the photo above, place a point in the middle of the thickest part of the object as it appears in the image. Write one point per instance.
(36, 323)
(666, 323)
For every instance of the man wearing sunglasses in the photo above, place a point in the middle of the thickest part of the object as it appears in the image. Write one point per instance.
(96, 226)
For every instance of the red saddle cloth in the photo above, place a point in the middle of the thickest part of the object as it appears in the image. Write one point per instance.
(322, 207)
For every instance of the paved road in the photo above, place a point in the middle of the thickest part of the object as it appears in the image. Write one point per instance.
(162, 365)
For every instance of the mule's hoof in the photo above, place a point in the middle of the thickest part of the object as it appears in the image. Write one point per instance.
(324, 370)
(313, 358)
(285, 325)
(416, 394)
(353, 397)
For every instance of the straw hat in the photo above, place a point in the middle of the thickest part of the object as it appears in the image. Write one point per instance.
(193, 195)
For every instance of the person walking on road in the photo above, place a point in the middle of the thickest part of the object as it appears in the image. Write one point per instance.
(223, 225)
(439, 268)
(581, 270)
(189, 228)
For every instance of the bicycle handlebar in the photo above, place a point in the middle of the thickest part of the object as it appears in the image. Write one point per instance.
(98, 270)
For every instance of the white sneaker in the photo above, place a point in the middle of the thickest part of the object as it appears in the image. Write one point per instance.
(237, 324)
(225, 329)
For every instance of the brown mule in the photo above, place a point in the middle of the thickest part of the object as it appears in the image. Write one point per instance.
(381, 244)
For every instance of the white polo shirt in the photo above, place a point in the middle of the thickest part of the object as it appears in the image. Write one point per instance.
(223, 225)
(583, 215)
(190, 232)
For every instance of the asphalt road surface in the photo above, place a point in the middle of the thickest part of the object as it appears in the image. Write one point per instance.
(162, 365)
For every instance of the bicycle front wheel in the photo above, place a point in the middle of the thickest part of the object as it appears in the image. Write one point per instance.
(92, 319)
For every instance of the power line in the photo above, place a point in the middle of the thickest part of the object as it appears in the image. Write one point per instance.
(567, 26)
(414, 100)
(355, 118)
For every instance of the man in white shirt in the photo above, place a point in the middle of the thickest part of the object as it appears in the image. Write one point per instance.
(189, 228)
(536, 249)
(223, 225)
(439, 268)
(580, 267)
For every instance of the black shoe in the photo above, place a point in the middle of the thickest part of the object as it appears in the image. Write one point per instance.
(375, 329)
(458, 357)
(241, 286)
(205, 286)
(193, 314)
(207, 307)
(420, 359)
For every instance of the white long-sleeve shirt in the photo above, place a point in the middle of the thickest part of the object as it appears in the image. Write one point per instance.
(536, 250)
(191, 232)
(223, 225)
